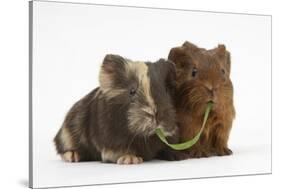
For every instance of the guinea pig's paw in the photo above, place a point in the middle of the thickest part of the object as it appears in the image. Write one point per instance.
(129, 159)
(224, 152)
(198, 153)
(70, 156)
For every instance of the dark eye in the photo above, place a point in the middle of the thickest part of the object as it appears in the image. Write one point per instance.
(132, 91)
(194, 72)
(223, 71)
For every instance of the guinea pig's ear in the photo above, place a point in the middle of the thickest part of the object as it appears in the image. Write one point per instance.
(190, 46)
(182, 56)
(177, 55)
(112, 68)
(111, 62)
(221, 50)
(224, 56)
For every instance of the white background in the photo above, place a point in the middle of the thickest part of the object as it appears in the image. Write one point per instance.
(16, 62)
(70, 41)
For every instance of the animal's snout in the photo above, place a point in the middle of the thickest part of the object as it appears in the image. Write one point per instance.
(152, 113)
(211, 92)
(209, 86)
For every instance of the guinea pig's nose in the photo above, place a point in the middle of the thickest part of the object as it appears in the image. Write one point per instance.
(213, 96)
(211, 93)
(209, 86)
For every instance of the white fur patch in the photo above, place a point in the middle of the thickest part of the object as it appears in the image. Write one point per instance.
(70, 156)
(66, 138)
(108, 155)
(129, 159)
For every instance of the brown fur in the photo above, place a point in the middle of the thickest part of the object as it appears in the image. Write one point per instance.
(210, 82)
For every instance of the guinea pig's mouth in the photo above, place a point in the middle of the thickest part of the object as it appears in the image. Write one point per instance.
(210, 101)
(145, 122)
(167, 132)
(214, 102)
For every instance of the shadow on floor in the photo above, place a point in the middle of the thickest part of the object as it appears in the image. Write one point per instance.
(23, 183)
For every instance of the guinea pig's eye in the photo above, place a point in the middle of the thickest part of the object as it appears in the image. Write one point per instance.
(194, 72)
(223, 71)
(132, 91)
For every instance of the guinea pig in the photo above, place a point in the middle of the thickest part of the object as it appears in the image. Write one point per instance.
(202, 76)
(116, 122)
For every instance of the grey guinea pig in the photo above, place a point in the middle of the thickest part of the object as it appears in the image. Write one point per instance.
(115, 122)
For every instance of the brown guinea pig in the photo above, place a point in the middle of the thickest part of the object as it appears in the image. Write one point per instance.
(202, 76)
(116, 122)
